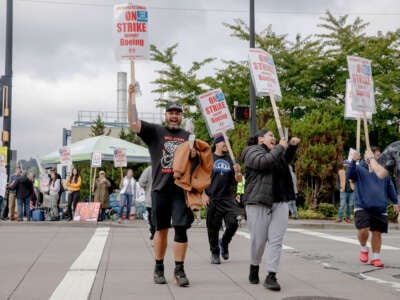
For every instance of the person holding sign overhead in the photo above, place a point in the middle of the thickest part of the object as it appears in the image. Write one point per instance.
(268, 189)
(168, 200)
(221, 205)
(372, 195)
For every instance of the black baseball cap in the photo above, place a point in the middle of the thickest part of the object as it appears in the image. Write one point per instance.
(174, 106)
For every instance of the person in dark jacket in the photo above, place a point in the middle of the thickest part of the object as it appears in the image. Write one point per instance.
(24, 191)
(372, 194)
(268, 189)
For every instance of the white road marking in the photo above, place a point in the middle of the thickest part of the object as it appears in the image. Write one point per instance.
(335, 237)
(395, 285)
(247, 236)
(78, 281)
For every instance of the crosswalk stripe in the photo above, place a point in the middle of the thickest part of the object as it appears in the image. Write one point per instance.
(335, 237)
(78, 281)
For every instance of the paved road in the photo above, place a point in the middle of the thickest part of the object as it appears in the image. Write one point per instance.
(109, 261)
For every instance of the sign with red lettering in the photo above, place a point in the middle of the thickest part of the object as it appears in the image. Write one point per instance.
(120, 159)
(349, 112)
(87, 211)
(216, 112)
(65, 156)
(131, 32)
(263, 74)
(363, 98)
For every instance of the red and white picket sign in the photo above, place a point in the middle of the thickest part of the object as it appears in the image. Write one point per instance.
(363, 98)
(216, 112)
(131, 32)
(263, 73)
(65, 156)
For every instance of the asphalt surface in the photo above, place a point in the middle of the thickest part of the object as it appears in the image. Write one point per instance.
(67, 260)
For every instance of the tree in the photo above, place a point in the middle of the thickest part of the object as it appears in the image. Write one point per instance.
(131, 137)
(312, 72)
(99, 128)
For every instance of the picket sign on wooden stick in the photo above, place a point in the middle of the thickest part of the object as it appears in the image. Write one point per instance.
(366, 131)
(358, 134)
(276, 115)
(122, 173)
(228, 145)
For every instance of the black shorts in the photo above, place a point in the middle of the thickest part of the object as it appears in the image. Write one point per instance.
(170, 203)
(373, 220)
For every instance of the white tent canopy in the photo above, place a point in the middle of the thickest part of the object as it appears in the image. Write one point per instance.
(83, 150)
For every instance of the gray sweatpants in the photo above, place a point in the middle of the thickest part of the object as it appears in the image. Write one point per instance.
(267, 225)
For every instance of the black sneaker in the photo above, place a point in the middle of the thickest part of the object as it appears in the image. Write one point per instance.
(224, 250)
(215, 260)
(180, 276)
(253, 275)
(159, 277)
(271, 282)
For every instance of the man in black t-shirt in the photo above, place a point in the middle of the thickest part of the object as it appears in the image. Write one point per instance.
(168, 200)
(221, 204)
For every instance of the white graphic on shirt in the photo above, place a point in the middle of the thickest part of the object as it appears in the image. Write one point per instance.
(167, 158)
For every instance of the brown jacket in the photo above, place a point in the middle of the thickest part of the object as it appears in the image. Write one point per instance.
(193, 179)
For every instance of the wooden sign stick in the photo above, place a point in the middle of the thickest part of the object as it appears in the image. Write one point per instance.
(228, 145)
(122, 173)
(366, 131)
(132, 111)
(276, 115)
(358, 134)
(94, 180)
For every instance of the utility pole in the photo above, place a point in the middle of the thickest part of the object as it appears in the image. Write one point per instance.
(6, 82)
(253, 125)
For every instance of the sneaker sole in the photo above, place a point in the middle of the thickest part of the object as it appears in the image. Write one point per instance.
(183, 283)
(272, 288)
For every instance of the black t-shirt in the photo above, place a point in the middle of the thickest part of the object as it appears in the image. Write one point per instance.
(162, 143)
(222, 179)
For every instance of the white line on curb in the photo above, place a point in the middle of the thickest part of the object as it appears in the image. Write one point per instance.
(78, 281)
(247, 236)
(334, 237)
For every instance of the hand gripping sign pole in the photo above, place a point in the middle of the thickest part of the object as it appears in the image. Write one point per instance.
(131, 43)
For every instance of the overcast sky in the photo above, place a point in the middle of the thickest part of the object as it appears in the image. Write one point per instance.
(63, 58)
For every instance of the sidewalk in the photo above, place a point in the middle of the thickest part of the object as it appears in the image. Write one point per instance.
(130, 273)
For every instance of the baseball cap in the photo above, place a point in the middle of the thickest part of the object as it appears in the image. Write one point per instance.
(174, 106)
(218, 138)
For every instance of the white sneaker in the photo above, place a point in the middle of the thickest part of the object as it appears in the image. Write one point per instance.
(119, 221)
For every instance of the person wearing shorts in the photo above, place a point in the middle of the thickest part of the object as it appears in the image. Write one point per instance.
(168, 200)
(371, 200)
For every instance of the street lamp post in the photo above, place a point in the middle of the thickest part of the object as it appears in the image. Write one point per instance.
(253, 126)
(6, 80)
